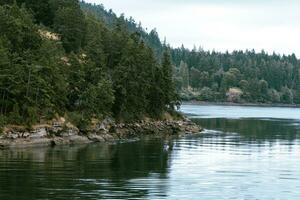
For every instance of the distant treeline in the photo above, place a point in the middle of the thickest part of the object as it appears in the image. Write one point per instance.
(240, 76)
(57, 59)
(237, 77)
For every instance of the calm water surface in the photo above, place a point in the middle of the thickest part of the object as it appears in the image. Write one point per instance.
(245, 153)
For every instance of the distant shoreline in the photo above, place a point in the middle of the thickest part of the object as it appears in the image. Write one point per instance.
(240, 104)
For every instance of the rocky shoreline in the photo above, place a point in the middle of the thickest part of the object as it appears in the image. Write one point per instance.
(59, 133)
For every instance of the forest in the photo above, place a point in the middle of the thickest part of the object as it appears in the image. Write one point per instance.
(238, 76)
(78, 60)
(57, 59)
(242, 77)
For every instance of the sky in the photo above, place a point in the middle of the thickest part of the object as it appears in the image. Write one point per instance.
(220, 25)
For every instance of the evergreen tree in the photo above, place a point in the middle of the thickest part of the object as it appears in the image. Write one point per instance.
(170, 97)
(184, 72)
(70, 24)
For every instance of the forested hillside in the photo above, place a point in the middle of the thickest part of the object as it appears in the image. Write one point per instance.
(58, 60)
(110, 18)
(239, 76)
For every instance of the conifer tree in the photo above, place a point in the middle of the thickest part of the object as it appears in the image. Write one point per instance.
(170, 96)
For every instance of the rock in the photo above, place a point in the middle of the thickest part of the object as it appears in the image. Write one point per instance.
(12, 136)
(25, 135)
(59, 141)
(70, 132)
(108, 137)
(107, 130)
(105, 125)
(38, 142)
(39, 133)
(96, 138)
(103, 128)
(79, 140)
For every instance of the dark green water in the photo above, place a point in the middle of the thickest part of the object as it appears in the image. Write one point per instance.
(245, 153)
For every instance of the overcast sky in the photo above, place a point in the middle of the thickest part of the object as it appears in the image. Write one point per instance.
(272, 25)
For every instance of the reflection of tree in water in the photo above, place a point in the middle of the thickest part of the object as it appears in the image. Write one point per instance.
(132, 170)
(255, 129)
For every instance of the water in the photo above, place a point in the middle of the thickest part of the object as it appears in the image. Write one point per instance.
(244, 153)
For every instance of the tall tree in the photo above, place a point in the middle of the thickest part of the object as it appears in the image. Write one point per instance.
(69, 21)
(170, 96)
(184, 72)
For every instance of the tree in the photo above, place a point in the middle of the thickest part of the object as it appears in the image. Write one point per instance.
(206, 94)
(195, 78)
(70, 23)
(263, 86)
(244, 85)
(204, 79)
(170, 97)
(286, 95)
(156, 105)
(263, 89)
(184, 72)
(19, 30)
(40, 9)
(229, 80)
(4, 76)
(23, 43)
(94, 45)
(96, 100)
(273, 96)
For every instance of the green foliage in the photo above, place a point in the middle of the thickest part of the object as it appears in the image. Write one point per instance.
(184, 73)
(196, 81)
(171, 98)
(110, 19)
(63, 62)
(296, 95)
(2, 123)
(18, 29)
(70, 23)
(156, 105)
(274, 96)
(96, 99)
(139, 83)
(15, 115)
(262, 78)
(79, 120)
(206, 94)
(286, 95)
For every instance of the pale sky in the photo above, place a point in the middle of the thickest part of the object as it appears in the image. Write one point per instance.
(272, 25)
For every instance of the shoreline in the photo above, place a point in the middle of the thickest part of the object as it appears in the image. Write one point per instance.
(107, 131)
(240, 104)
